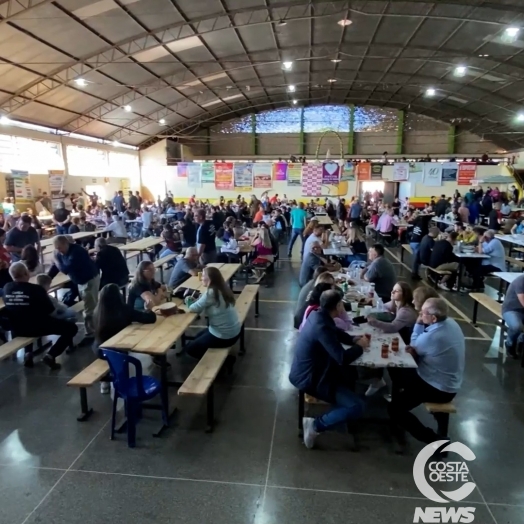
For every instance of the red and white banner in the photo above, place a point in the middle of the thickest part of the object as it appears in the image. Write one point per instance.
(466, 173)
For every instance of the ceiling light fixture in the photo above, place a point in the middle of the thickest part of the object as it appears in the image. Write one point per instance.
(291, 88)
(460, 71)
(483, 56)
(128, 109)
(520, 118)
(510, 34)
(282, 23)
(162, 121)
(80, 82)
(344, 22)
(295, 102)
(336, 60)
(5, 121)
(431, 91)
(512, 31)
(287, 65)
(332, 80)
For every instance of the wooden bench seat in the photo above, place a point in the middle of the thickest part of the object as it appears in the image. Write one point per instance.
(159, 264)
(492, 306)
(441, 412)
(405, 247)
(85, 379)
(242, 305)
(14, 345)
(440, 408)
(510, 261)
(200, 381)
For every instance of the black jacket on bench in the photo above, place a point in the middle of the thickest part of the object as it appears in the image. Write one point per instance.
(113, 265)
(442, 254)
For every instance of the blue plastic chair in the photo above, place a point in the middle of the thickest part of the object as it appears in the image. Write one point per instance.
(133, 390)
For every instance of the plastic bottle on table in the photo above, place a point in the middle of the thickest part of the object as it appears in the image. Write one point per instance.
(380, 304)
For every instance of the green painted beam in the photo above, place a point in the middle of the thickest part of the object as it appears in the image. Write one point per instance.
(301, 136)
(452, 139)
(400, 132)
(351, 134)
(208, 141)
(254, 141)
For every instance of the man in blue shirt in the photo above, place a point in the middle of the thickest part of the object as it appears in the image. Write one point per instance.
(439, 348)
(489, 245)
(119, 202)
(298, 224)
(74, 261)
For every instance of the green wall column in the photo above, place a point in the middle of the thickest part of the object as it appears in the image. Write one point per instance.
(301, 137)
(351, 134)
(208, 142)
(452, 139)
(400, 133)
(254, 145)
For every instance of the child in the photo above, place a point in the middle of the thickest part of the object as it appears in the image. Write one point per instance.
(61, 312)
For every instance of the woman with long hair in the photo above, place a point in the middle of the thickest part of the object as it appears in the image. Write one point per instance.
(263, 246)
(31, 260)
(144, 291)
(342, 320)
(357, 244)
(111, 316)
(217, 303)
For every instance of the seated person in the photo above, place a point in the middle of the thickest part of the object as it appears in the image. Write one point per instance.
(304, 292)
(185, 268)
(357, 244)
(112, 315)
(217, 303)
(513, 314)
(172, 239)
(111, 263)
(311, 261)
(373, 221)
(518, 228)
(489, 245)
(423, 253)
(321, 367)
(380, 272)
(61, 309)
(438, 346)
(144, 291)
(386, 222)
(465, 234)
(263, 247)
(29, 311)
(31, 260)
(75, 226)
(21, 235)
(117, 229)
(443, 259)
(342, 320)
(324, 282)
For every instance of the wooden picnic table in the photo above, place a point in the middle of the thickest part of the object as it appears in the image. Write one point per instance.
(323, 220)
(142, 245)
(227, 270)
(76, 236)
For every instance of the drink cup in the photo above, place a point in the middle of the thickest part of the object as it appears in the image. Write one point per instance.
(354, 307)
(368, 336)
(385, 351)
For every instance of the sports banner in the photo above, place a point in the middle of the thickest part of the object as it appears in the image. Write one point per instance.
(376, 171)
(348, 172)
(449, 171)
(466, 173)
(243, 177)
(262, 173)
(207, 174)
(224, 176)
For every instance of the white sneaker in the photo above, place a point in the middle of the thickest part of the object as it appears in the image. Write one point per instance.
(105, 388)
(444, 287)
(310, 435)
(375, 387)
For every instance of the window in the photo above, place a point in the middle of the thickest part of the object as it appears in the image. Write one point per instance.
(36, 157)
(318, 119)
(279, 121)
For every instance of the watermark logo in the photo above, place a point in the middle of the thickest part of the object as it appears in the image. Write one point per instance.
(439, 471)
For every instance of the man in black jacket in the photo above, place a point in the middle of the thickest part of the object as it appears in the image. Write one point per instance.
(441, 206)
(423, 254)
(321, 367)
(443, 259)
(112, 264)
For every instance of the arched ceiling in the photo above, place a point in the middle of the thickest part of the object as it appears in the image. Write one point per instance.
(158, 68)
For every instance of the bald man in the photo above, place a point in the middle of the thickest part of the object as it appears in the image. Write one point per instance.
(184, 268)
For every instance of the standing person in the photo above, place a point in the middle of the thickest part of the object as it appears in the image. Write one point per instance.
(298, 218)
(74, 261)
(205, 238)
(355, 211)
(23, 234)
(62, 219)
(29, 310)
(133, 201)
(118, 202)
(111, 263)
(342, 211)
(514, 194)
(46, 202)
(380, 272)
(217, 303)
(189, 232)
(513, 314)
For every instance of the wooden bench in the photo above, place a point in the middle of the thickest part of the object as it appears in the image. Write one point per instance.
(85, 379)
(441, 412)
(303, 399)
(159, 264)
(492, 306)
(200, 381)
(510, 261)
(14, 345)
(243, 304)
(438, 272)
(406, 247)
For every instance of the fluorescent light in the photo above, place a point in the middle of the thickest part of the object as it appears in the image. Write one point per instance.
(336, 60)
(512, 31)
(431, 92)
(460, 71)
(232, 97)
(344, 22)
(287, 65)
(5, 121)
(332, 80)
(116, 144)
(295, 102)
(185, 43)
(80, 82)
(210, 78)
(128, 109)
(162, 121)
(291, 88)
(510, 35)
(282, 23)
(520, 118)
(483, 56)
(212, 103)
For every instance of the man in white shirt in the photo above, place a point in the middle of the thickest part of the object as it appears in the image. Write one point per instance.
(319, 235)
(117, 228)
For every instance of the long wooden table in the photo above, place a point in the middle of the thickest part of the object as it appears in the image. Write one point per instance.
(141, 245)
(227, 270)
(76, 236)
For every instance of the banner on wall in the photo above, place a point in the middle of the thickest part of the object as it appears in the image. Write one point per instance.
(262, 174)
(363, 171)
(194, 173)
(449, 171)
(416, 172)
(400, 171)
(207, 173)
(466, 173)
(243, 174)
(312, 179)
(56, 186)
(294, 174)
(224, 176)
(330, 173)
(348, 172)
(432, 174)
(22, 189)
(280, 170)
(376, 171)
(181, 169)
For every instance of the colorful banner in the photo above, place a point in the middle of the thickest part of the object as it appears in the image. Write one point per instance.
(262, 174)
(294, 174)
(194, 173)
(56, 187)
(280, 171)
(376, 171)
(22, 189)
(312, 179)
(207, 174)
(243, 177)
(224, 176)
(416, 172)
(363, 171)
(466, 173)
(348, 172)
(449, 171)
(400, 171)
(330, 173)
(181, 170)
(432, 174)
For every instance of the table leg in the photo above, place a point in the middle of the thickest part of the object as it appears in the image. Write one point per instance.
(164, 393)
(501, 283)
(459, 276)
(256, 305)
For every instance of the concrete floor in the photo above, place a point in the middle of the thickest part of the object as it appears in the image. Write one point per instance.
(253, 468)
